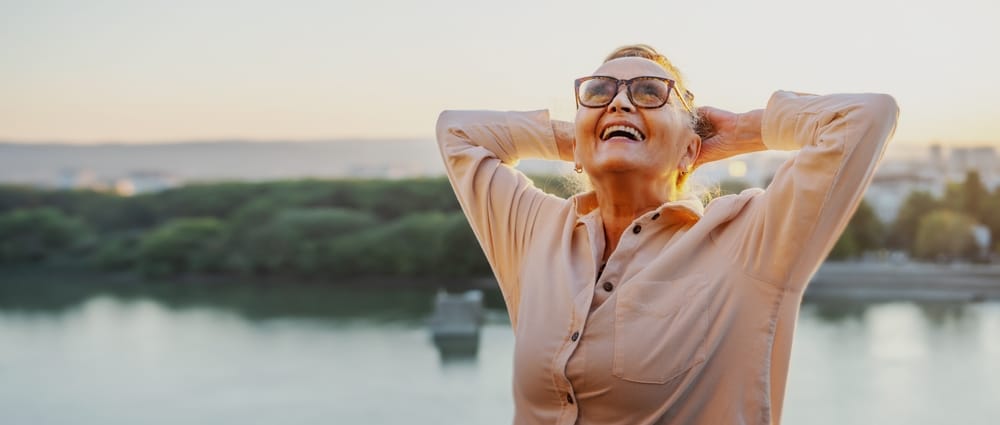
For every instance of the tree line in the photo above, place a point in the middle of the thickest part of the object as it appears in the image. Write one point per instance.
(929, 227)
(344, 229)
(312, 229)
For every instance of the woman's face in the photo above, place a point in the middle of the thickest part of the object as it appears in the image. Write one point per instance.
(666, 140)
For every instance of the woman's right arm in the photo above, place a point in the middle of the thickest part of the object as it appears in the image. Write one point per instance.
(479, 149)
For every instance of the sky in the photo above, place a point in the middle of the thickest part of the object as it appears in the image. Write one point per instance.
(135, 71)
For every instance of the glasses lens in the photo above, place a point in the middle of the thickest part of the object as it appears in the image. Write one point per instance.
(597, 92)
(650, 92)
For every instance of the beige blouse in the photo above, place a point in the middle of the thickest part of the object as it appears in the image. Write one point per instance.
(691, 319)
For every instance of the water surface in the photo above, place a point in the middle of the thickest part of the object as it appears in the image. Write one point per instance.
(309, 355)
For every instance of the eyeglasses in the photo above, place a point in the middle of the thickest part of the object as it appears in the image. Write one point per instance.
(644, 92)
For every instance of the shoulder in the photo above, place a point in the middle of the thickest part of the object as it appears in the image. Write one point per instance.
(726, 208)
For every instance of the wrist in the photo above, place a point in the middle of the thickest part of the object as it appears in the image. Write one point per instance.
(749, 131)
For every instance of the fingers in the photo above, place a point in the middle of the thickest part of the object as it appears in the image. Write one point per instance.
(704, 126)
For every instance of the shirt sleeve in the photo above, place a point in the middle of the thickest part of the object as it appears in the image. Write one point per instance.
(479, 149)
(796, 221)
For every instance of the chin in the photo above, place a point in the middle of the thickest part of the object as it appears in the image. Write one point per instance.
(617, 165)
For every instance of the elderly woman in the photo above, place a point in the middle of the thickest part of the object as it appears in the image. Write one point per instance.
(633, 303)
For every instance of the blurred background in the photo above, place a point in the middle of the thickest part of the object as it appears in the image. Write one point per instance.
(234, 211)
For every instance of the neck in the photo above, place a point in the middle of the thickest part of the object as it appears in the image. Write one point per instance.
(623, 197)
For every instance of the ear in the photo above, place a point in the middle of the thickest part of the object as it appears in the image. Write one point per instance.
(690, 156)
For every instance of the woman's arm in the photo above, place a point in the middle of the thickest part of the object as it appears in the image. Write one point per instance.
(791, 227)
(565, 134)
(730, 134)
(479, 149)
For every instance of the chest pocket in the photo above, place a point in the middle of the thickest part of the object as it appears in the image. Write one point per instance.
(660, 328)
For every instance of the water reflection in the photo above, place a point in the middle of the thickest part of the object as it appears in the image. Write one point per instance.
(298, 354)
(937, 313)
(253, 301)
(940, 314)
(840, 311)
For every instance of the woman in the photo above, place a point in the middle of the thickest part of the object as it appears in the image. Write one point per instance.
(633, 303)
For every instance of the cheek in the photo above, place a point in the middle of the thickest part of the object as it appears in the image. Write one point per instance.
(672, 136)
(585, 123)
(674, 126)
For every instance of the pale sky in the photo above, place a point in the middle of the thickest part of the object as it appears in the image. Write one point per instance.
(153, 71)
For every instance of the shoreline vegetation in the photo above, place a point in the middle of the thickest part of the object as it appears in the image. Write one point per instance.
(390, 233)
(30, 289)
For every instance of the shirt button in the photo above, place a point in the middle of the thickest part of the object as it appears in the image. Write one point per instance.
(656, 216)
(569, 398)
(637, 229)
(608, 286)
(576, 336)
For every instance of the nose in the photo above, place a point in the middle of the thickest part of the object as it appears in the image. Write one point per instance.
(621, 102)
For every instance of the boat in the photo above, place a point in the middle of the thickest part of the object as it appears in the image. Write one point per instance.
(455, 323)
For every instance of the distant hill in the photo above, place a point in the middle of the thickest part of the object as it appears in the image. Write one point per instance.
(64, 165)
(47, 164)
(71, 165)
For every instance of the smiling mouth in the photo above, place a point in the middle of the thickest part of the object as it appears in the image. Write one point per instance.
(627, 132)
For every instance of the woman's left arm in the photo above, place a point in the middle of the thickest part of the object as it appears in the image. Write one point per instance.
(793, 225)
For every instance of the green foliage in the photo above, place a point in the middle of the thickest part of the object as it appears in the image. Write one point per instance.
(461, 254)
(945, 235)
(867, 229)
(991, 214)
(969, 197)
(845, 248)
(118, 252)
(864, 233)
(419, 245)
(410, 246)
(34, 234)
(181, 246)
(732, 187)
(310, 228)
(902, 235)
(343, 229)
(975, 196)
(292, 240)
(101, 211)
(396, 199)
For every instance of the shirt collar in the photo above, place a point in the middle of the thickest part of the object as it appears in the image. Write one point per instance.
(687, 208)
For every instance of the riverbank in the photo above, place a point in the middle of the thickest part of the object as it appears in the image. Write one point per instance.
(863, 281)
(847, 281)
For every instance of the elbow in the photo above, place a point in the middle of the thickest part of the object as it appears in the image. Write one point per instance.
(882, 110)
(454, 126)
(877, 114)
(883, 105)
(445, 122)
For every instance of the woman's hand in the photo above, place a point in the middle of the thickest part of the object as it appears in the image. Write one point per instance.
(726, 134)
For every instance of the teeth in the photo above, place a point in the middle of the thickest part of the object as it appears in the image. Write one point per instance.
(635, 133)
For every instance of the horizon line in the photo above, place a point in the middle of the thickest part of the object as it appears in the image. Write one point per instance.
(249, 140)
(195, 141)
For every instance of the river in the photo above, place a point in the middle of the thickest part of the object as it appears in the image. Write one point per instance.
(319, 355)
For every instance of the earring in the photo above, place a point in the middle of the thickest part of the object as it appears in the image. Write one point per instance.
(578, 168)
